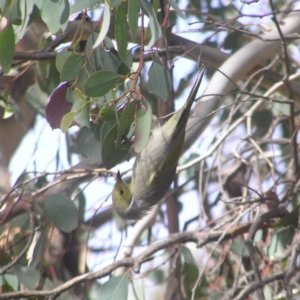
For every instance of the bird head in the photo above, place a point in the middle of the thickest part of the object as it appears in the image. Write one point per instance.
(121, 196)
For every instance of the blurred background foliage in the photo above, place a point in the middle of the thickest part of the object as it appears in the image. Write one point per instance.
(101, 74)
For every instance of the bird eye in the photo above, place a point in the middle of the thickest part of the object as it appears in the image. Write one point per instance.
(121, 192)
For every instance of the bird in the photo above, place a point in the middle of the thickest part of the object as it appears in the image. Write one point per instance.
(155, 166)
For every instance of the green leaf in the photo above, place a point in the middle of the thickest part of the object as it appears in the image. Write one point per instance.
(104, 57)
(38, 249)
(61, 212)
(7, 47)
(55, 14)
(125, 67)
(234, 40)
(20, 221)
(156, 276)
(12, 281)
(115, 289)
(263, 120)
(187, 255)
(109, 60)
(239, 248)
(81, 5)
(66, 121)
(39, 4)
(88, 145)
(61, 59)
(133, 16)
(159, 82)
(268, 292)
(107, 114)
(111, 155)
(80, 107)
(86, 71)
(126, 121)
(64, 14)
(4, 4)
(153, 23)
(12, 12)
(71, 68)
(176, 8)
(28, 276)
(19, 243)
(100, 83)
(37, 99)
(291, 219)
(190, 275)
(107, 126)
(104, 26)
(142, 126)
(115, 3)
(280, 242)
(82, 113)
(26, 8)
(48, 76)
(121, 29)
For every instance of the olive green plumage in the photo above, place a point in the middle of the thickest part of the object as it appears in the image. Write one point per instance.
(155, 167)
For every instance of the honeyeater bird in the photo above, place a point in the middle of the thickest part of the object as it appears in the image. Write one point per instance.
(155, 167)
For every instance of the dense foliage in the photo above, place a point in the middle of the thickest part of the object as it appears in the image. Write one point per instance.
(98, 72)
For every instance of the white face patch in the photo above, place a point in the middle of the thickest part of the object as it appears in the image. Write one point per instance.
(131, 203)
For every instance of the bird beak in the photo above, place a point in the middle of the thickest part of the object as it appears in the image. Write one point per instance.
(119, 178)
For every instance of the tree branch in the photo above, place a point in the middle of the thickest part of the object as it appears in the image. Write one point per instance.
(201, 239)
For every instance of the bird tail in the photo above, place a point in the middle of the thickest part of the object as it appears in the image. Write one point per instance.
(191, 98)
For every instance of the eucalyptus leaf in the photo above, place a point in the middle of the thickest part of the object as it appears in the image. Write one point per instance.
(20, 221)
(133, 15)
(176, 8)
(61, 59)
(26, 8)
(289, 220)
(61, 212)
(7, 46)
(115, 3)
(55, 14)
(280, 242)
(12, 12)
(81, 108)
(153, 22)
(100, 83)
(115, 288)
(106, 128)
(159, 82)
(28, 276)
(79, 6)
(38, 248)
(37, 99)
(71, 68)
(142, 126)
(109, 60)
(107, 114)
(88, 145)
(126, 120)
(104, 26)
(121, 28)
(188, 256)
(12, 281)
(67, 121)
(112, 155)
(48, 76)
(19, 243)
